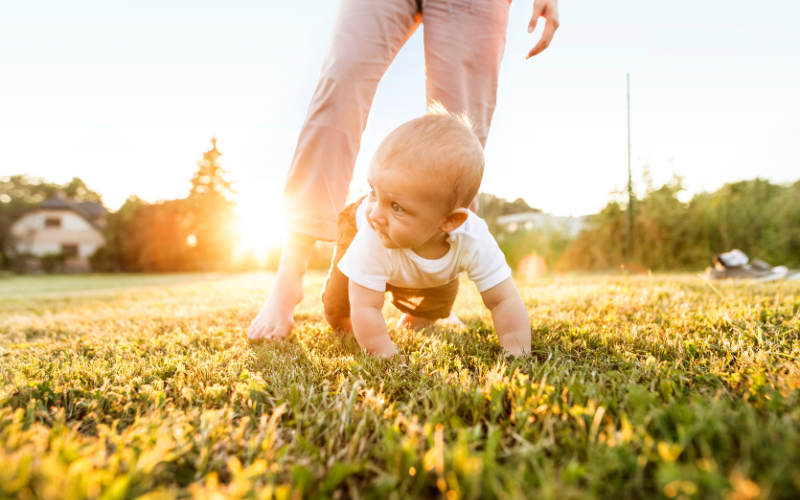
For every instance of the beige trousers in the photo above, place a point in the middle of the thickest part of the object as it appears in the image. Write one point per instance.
(464, 42)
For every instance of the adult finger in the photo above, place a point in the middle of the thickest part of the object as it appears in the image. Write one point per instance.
(537, 13)
(550, 28)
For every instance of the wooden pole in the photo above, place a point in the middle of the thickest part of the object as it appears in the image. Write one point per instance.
(629, 242)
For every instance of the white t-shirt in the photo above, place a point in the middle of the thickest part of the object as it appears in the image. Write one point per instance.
(472, 249)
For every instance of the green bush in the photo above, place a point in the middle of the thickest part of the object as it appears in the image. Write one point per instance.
(546, 244)
(101, 261)
(53, 262)
(758, 217)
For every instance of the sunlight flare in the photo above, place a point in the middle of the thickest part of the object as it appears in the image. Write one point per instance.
(260, 210)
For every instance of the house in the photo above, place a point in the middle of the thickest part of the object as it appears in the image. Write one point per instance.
(61, 226)
(568, 226)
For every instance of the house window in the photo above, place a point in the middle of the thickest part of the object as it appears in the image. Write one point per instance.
(52, 222)
(69, 250)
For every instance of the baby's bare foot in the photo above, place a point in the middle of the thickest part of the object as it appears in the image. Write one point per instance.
(414, 323)
(452, 320)
(276, 318)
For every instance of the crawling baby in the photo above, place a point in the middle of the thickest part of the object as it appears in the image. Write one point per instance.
(414, 233)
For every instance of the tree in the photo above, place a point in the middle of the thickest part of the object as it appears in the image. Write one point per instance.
(758, 217)
(196, 233)
(491, 207)
(210, 216)
(210, 176)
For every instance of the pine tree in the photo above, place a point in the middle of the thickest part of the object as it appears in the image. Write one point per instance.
(210, 176)
(210, 219)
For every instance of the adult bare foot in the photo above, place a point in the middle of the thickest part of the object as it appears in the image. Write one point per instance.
(276, 318)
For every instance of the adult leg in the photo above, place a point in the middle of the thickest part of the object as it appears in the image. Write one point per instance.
(367, 35)
(275, 319)
(464, 44)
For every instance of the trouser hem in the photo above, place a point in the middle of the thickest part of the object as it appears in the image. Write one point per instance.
(316, 228)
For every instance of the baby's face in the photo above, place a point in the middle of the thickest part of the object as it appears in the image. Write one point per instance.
(405, 209)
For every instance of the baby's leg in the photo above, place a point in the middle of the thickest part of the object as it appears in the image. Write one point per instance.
(452, 320)
(421, 308)
(414, 323)
(336, 292)
(339, 322)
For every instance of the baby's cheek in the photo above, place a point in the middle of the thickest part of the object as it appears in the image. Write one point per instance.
(402, 235)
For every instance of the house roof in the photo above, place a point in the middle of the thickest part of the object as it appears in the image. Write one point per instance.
(89, 210)
(93, 208)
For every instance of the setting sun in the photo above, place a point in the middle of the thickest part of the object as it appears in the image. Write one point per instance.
(260, 210)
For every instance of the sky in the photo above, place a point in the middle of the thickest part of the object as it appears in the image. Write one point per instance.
(127, 95)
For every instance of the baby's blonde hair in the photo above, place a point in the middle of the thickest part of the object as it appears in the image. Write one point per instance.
(439, 144)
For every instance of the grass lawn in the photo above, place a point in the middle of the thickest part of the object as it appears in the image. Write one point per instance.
(637, 387)
(40, 286)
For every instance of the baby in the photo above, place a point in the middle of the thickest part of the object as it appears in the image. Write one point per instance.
(412, 236)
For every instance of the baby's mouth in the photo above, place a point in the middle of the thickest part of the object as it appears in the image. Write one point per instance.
(377, 229)
(384, 236)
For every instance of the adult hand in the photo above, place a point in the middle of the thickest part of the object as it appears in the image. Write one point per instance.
(547, 9)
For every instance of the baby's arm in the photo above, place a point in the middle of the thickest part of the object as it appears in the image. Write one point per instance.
(368, 323)
(510, 317)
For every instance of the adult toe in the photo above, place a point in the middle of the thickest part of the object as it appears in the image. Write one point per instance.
(279, 331)
(255, 331)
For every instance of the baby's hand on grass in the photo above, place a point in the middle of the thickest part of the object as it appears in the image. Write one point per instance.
(510, 317)
(514, 352)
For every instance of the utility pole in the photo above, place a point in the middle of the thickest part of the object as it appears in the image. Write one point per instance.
(629, 242)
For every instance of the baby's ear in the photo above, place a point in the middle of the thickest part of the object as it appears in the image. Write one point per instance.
(455, 219)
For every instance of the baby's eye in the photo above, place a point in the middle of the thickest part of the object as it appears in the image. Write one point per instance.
(372, 195)
(398, 209)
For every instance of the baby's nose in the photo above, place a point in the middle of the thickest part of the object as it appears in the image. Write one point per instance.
(377, 218)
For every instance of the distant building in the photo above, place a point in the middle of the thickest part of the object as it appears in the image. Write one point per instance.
(59, 225)
(529, 221)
